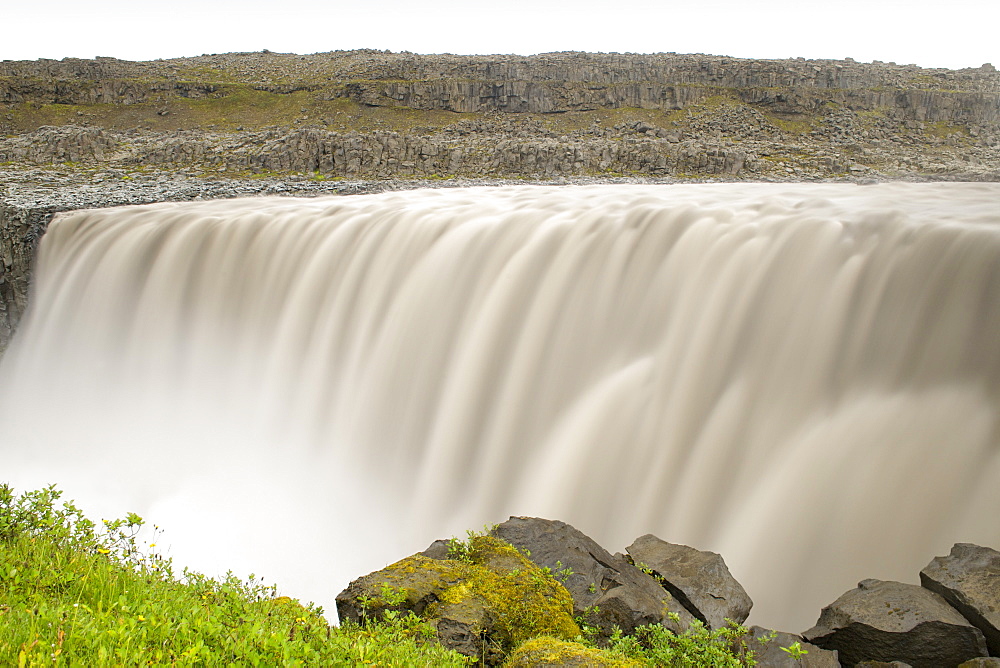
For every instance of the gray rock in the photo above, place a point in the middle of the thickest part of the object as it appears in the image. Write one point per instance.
(891, 621)
(768, 644)
(969, 579)
(607, 590)
(699, 580)
(437, 550)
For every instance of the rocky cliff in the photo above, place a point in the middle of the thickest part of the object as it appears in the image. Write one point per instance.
(102, 132)
(372, 115)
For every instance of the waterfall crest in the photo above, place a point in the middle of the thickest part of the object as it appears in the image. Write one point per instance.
(804, 378)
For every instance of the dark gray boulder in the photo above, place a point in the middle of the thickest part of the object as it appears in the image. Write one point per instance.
(891, 621)
(969, 579)
(699, 580)
(883, 664)
(767, 645)
(607, 591)
(439, 549)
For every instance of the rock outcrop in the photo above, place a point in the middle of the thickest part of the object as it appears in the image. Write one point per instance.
(483, 604)
(699, 580)
(483, 593)
(771, 651)
(969, 579)
(374, 115)
(607, 591)
(891, 621)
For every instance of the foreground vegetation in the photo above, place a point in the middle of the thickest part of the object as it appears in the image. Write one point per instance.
(76, 593)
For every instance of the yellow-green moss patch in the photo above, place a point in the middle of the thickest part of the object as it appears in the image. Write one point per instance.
(549, 651)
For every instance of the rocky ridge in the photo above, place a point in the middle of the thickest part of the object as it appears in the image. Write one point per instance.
(104, 132)
(371, 114)
(461, 589)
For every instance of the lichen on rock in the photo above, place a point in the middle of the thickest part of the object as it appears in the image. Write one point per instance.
(483, 604)
(549, 651)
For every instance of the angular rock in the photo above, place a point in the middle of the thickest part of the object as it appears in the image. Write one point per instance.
(439, 549)
(483, 605)
(700, 581)
(891, 621)
(545, 651)
(624, 596)
(981, 662)
(769, 653)
(969, 579)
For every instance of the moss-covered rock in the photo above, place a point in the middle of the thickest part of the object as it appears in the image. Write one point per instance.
(483, 604)
(549, 651)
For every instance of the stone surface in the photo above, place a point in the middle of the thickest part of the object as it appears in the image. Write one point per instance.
(770, 655)
(969, 579)
(891, 621)
(483, 605)
(981, 662)
(552, 652)
(623, 595)
(699, 580)
(660, 114)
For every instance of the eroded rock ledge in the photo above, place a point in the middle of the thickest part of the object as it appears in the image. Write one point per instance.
(531, 577)
(369, 114)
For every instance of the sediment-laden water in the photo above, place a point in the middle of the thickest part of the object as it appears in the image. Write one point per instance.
(805, 378)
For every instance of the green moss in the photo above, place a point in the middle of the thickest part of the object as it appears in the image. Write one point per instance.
(944, 129)
(549, 651)
(520, 599)
(791, 125)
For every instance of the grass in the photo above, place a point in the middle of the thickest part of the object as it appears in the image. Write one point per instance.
(75, 594)
(78, 594)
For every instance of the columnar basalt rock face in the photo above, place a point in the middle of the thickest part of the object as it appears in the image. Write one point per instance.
(20, 229)
(712, 115)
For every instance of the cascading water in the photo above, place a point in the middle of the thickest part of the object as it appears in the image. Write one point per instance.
(805, 378)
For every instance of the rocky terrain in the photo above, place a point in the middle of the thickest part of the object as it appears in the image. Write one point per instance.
(104, 132)
(484, 600)
(369, 114)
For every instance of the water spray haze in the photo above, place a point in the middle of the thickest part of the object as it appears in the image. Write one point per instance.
(805, 378)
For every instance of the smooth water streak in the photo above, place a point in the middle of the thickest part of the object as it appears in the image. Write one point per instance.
(803, 377)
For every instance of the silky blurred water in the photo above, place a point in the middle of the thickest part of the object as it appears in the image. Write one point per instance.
(802, 377)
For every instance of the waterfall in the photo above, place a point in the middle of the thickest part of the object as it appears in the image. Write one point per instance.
(802, 377)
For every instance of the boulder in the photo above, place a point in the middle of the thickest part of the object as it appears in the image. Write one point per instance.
(607, 590)
(700, 581)
(891, 621)
(547, 651)
(981, 662)
(483, 605)
(767, 646)
(969, 579)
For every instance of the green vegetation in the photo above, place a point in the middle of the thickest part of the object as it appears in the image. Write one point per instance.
(231, 106)
(944, 129)
(484, 581)
(798, 124)
(73, 594)
(699, 646)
